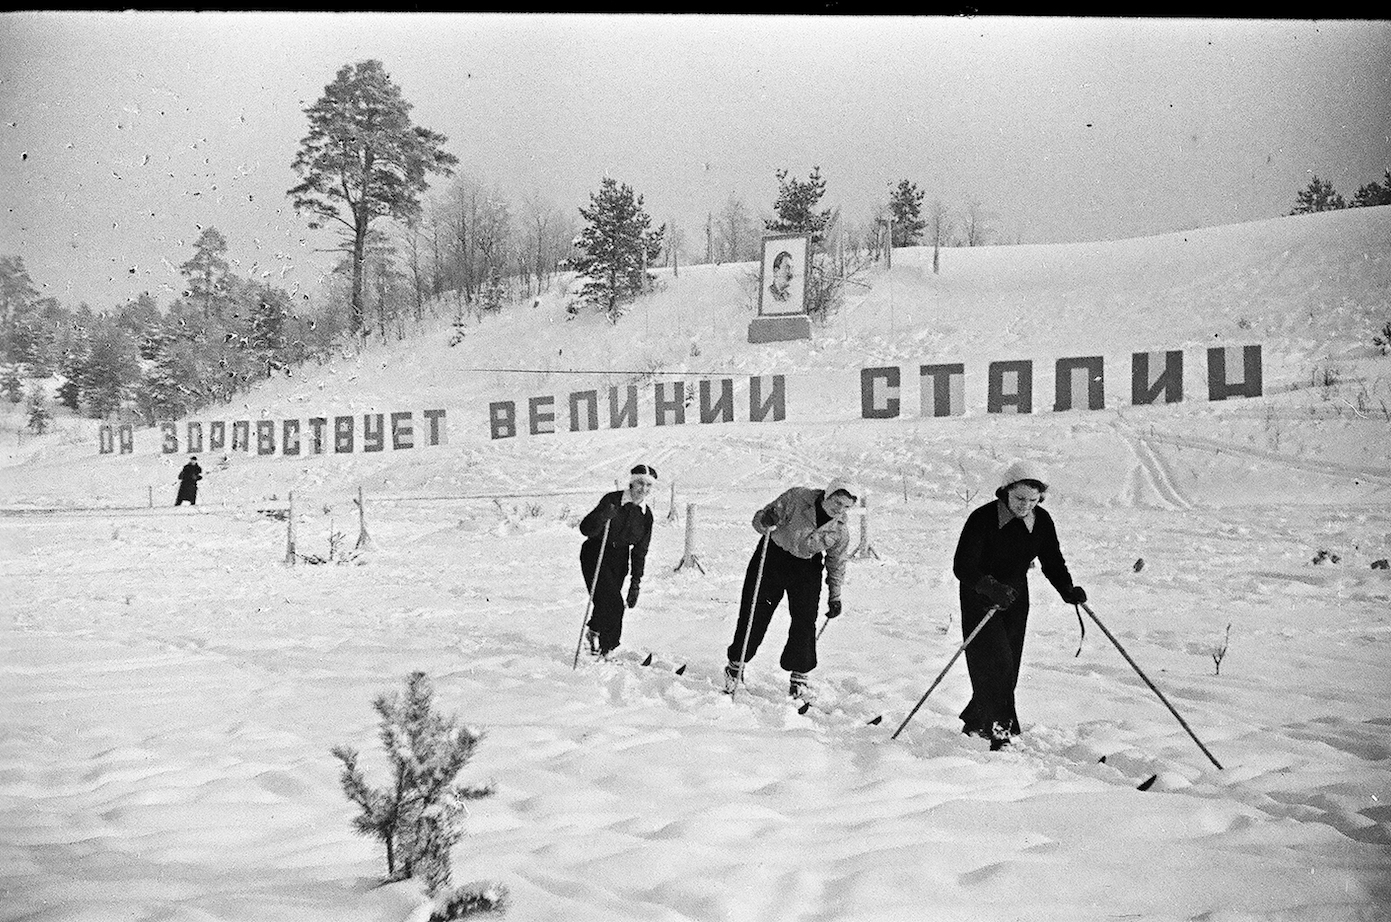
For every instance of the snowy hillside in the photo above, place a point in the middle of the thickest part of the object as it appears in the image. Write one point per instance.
(172, 689)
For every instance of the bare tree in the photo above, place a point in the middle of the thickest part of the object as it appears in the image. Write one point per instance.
(546, 242)
(736, 240)
(976, 224)
(939, 229)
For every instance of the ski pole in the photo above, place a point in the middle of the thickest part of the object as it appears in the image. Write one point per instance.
(990, 613)
(753, 605)
(823, 628)
(599, 562)
(1138, 671)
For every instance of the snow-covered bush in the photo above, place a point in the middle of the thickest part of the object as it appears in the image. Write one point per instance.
(419, 814)
(1383, 339)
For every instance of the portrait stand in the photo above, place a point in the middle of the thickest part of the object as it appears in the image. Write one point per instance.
(782, 290)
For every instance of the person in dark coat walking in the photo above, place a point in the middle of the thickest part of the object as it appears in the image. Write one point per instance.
(806, 532)
(188, 482)
(998, 543)
(629, 518)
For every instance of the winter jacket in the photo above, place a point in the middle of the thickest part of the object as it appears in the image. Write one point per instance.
(630, 527)
(798, 534)
(994, 542)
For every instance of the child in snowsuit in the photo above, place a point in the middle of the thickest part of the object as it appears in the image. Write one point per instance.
(804, 532)
(997, 545)
(629, 520)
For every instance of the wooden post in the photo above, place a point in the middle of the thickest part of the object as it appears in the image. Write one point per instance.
(362, 540)
(690, 558)
(865, 549)
(290, 532)
(671, 510)
(152, 497)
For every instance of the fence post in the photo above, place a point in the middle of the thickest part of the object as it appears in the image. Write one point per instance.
(290, 532)
(671, 510)
(152, 496)
(865, 549)
(690, 558)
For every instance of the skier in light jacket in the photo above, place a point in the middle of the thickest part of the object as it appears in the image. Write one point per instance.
(805, 532)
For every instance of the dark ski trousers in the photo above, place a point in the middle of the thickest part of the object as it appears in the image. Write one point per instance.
(993, 660)
(606, 619)
(800, 580)
(189, 494)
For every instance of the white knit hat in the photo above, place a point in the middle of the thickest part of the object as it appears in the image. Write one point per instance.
(1022, 470)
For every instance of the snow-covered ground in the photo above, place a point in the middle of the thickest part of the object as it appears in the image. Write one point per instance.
(171, 689)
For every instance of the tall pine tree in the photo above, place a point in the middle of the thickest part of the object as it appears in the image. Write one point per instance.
(796, 206)
(363, 160)
(1374, 193)
(615, 248)
(1318, 196)
(208, 273)
(905, 204)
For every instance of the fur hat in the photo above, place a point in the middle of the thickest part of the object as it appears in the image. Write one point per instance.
(1023, 470)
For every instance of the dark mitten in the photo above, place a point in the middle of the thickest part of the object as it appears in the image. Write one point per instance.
(833, 608)
(1075, 596)
(633, 594)
(1000, 595)
(770, 519)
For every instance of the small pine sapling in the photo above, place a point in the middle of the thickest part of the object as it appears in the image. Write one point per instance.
(419, 814)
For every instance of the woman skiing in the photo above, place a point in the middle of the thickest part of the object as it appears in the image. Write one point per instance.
(998, 543)
(805, 533)
(628, 518)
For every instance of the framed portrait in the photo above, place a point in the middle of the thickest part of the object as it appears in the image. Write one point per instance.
(782, 286)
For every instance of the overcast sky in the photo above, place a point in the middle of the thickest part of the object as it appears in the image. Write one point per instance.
(123, 134)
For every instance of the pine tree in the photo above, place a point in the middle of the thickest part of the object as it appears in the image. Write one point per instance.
(39, 417)
(363, 160)
(266, 326)
(1374, 193)
(111, 370)
(17, 295)
(418, 815)
(1318, 196)
(615, 248)
(11, 386)
(208, 272)
(796, 206)
(905, 205)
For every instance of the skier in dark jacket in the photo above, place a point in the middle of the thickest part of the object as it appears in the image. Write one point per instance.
(629, 519)
(188, 482)
(997, 546)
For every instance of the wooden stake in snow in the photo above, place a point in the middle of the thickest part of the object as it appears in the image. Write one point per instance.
(362, 540)
(671, 510)
(690, 558)
(865, 549)
(290, 532)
